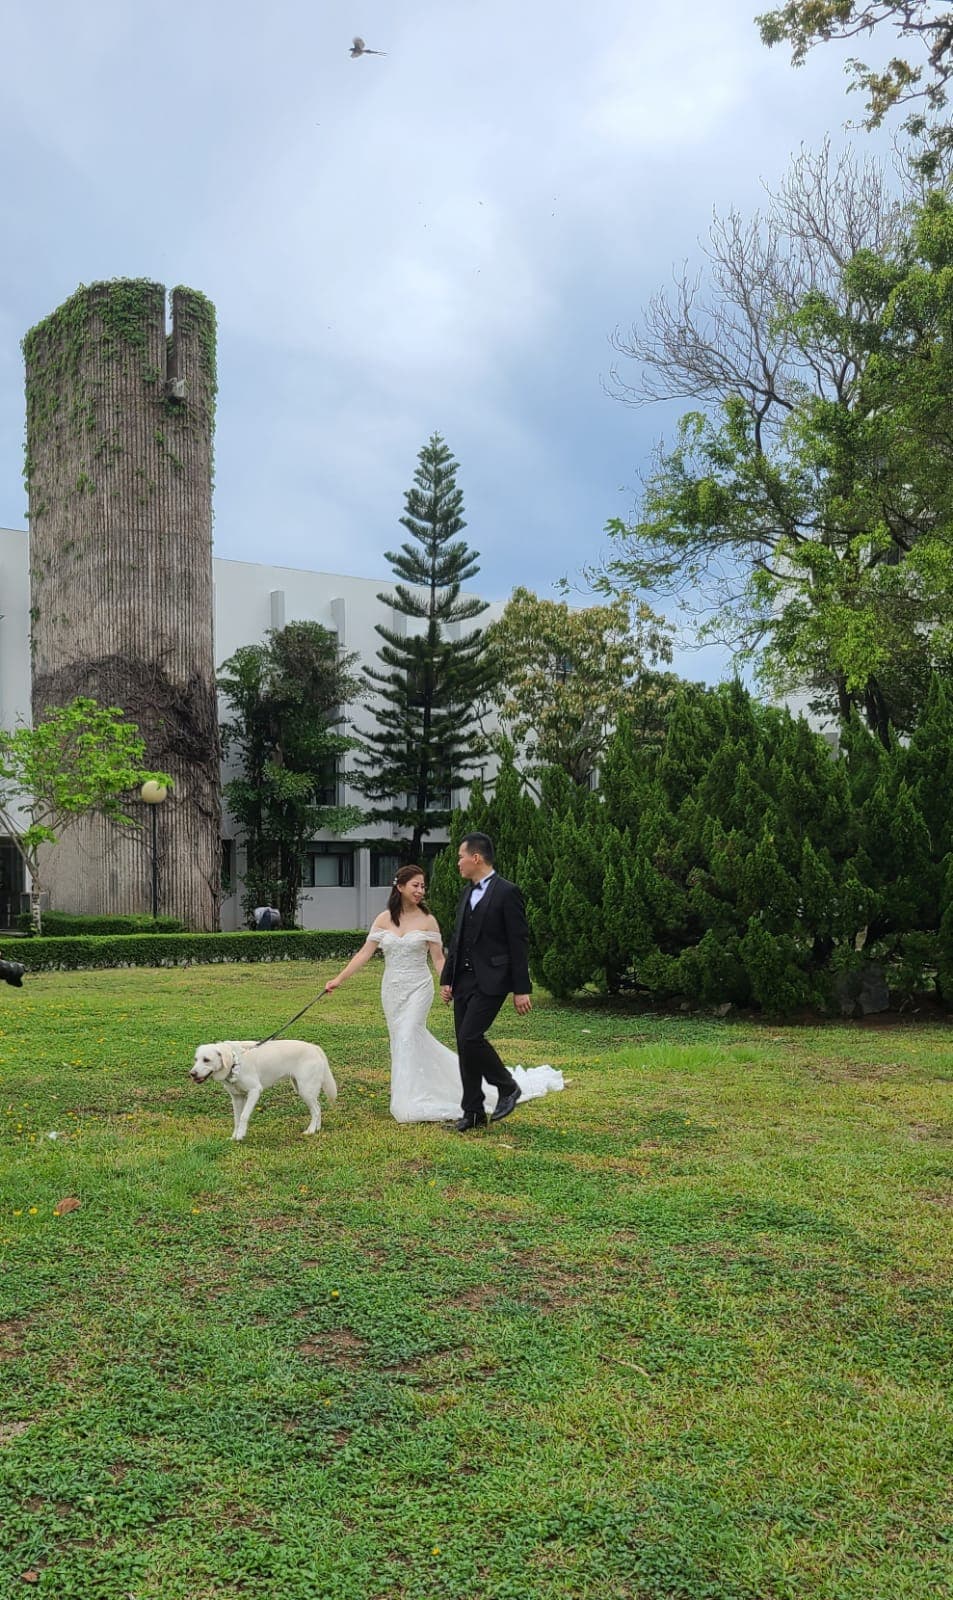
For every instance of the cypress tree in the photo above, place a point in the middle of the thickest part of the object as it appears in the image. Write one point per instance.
(427, 693)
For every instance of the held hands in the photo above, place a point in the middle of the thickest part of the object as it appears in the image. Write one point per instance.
(446, 993)
(523, 1004)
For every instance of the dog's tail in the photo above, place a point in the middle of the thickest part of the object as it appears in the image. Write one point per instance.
(329, 1086)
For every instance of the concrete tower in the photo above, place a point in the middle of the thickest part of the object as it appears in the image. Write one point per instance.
(119, 470)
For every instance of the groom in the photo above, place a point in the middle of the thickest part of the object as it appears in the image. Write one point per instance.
(488, 957)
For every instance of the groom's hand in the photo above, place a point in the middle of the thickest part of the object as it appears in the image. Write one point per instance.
(523, 1004)
(446, 993)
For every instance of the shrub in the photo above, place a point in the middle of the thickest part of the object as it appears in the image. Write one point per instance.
(82, 952)
(69, 925)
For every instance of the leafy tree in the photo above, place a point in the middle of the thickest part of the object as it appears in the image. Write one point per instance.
(428, 692)
(287, 697)
(568, 674)
(79, 760)
(920, 77)
(811, 507)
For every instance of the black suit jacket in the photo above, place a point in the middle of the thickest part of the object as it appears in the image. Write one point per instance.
(499, 943)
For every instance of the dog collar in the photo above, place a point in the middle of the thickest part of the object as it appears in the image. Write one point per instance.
(236, 1065)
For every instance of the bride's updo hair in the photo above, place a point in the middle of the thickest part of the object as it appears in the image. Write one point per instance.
(395, 904)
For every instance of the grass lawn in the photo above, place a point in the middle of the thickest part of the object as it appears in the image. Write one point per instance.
(679, 1333)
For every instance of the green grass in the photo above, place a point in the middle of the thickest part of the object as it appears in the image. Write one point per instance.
(679, 1333)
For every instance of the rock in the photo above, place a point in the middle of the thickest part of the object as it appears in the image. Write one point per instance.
(863, 991)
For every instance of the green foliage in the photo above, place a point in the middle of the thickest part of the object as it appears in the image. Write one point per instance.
(286, 697)
(430, 687)
(568, 674)
(919, 79)
(78, 760)
(64, 925)
(816, 522)
(740, 862)
(86, 952)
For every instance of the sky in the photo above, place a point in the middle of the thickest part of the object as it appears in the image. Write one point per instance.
(439, 239)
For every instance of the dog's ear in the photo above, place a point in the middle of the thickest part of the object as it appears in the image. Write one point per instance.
(226, 1056)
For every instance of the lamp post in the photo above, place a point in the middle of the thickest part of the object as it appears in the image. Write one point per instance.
(153, 794)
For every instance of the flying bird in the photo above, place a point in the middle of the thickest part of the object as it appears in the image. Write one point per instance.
(359, 48)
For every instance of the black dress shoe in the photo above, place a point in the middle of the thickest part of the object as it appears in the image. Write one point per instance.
(472, 1119)
(506, 1104)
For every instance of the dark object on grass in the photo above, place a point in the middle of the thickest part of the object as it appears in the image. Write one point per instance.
(12, 972)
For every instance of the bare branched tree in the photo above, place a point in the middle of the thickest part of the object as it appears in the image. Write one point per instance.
(731, 330)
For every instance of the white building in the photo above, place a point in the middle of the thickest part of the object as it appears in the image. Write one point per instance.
(348, 881)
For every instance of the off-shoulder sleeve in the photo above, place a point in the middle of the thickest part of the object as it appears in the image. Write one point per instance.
(375, 935)
(434, 935)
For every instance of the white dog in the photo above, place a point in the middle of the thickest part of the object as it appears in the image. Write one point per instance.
(245, 1068)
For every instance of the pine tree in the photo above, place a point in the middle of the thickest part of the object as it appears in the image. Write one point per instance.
(427, 693)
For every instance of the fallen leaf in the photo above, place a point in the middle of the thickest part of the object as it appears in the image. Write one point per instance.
(69, 1203)
(30, 1576)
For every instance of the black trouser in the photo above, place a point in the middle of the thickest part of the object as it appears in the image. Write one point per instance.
(473, 1013)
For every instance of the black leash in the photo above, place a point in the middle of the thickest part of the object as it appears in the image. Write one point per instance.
(292, 1019)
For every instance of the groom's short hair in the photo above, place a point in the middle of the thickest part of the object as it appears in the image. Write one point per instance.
(480, 844)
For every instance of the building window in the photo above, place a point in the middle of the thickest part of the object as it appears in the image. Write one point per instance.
(228, 866)
(328, 866)
(11, 883)
(383, 867)
(328, 792)
(437, 800)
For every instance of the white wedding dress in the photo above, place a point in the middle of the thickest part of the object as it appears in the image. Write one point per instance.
(424, 1075)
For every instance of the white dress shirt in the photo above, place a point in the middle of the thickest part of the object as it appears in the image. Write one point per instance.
(479, 889)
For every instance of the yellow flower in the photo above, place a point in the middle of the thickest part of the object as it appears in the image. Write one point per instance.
(18, 1212)
(335, 1294)
(327, 1402)
(432, 1183)
(33, 1211)
(436, 1550)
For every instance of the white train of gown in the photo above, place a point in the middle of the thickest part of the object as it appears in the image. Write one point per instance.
(424, 1075)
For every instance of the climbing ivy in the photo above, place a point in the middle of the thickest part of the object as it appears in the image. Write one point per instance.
(57, 349)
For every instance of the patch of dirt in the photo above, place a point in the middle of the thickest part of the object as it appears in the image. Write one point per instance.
(587, 1163)
(11, 1430)
(833, 1069)
(930, 1130)
(944, 1201)
(12, 1339)
(480, 1295)
(340, 1347)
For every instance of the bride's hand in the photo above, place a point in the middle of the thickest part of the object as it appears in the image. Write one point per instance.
(331, 985)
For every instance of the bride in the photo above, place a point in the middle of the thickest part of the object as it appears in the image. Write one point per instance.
(424, 1075)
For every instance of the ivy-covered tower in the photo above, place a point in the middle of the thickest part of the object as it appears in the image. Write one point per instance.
(119, 428)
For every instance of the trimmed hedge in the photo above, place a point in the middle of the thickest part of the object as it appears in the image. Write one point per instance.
(186, 949)
(67, 925)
